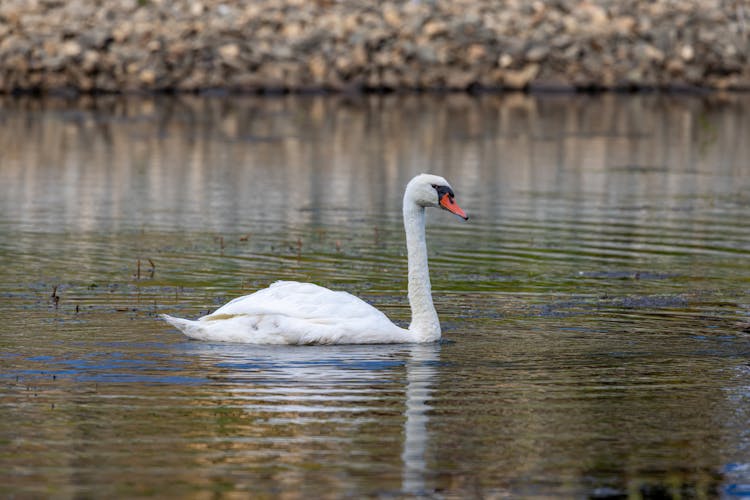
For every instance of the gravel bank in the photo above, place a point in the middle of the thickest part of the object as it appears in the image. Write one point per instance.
(300, 45)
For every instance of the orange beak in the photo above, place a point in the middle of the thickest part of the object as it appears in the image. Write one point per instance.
(447, 203)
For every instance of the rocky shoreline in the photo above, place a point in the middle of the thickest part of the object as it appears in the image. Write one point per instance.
(338, 45)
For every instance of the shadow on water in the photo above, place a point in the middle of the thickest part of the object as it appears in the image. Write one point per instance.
(596, 302)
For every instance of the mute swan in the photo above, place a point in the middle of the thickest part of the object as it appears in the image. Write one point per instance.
(288, 312)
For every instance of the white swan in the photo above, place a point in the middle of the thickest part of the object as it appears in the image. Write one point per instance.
(288, 312)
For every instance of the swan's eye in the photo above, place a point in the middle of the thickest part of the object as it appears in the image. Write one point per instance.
(443, 190)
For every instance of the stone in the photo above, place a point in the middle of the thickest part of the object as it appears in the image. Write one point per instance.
(196, 8)
(147, 76)
(624, 25)
(519, 79)
(434, 28)
(90, 61)
(391, 15)
(318, 68)
(71, 48)
(536, 54)
(229, 52)
(460, 80)
(505, 60)
(427, 54)
(675, 66)
(390, 79)
(475, 53)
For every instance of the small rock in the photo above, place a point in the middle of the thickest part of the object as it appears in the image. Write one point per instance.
(318, 67)
(687, 52)
(359, 55)
(519, 79)
(536, 54)
(459, 80)
(147, 76)
(624, 25)
(427, 54)
(292, 30)
(675, 66)
(475, 53)
(389, 79)
(595, 15)
(90, 61)
(432, 29)
(71, 48)
(224, 10)
(651, 53)
(392, 16)
(505, 60)
(196, 8)
(229, 52)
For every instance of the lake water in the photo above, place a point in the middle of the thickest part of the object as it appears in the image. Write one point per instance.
(595, 308)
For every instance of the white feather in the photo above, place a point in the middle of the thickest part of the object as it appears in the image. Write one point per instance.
(289, 312)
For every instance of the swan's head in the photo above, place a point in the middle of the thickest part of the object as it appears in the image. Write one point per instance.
(429, 190)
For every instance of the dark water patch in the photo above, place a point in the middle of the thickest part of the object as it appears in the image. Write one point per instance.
(626, 275)
(646, 302)
(593, 306)
(265, 138)
(135, 378)
(640, 169)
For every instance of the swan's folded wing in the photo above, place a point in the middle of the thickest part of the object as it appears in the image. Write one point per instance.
(299, 300)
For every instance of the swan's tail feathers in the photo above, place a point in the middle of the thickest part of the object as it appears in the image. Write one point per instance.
(189, 328)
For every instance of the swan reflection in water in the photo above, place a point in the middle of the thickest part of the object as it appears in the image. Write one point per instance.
(420, 374)
(351, 386)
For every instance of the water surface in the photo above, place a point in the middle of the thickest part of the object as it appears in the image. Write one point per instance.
(594, 308)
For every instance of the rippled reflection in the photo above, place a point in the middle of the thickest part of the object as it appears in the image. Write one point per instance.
(420, 374)
(595, 305)
(335, 386)
(234, 164)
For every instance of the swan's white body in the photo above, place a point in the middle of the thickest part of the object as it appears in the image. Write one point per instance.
(288, 312)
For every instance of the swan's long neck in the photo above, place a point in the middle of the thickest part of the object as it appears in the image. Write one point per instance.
(425, 324)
